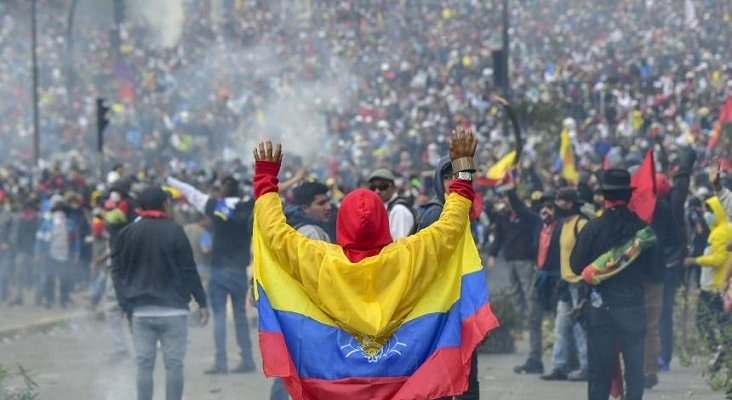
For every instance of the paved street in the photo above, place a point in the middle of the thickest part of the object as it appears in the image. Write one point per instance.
(69, 363)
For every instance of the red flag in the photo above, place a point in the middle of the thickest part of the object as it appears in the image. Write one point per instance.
(725, 117)
(643, 202)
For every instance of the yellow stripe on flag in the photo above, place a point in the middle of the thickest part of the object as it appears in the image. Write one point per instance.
(410, 278)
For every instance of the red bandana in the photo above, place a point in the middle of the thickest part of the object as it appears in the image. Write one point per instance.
(151, 213)
(609, 204)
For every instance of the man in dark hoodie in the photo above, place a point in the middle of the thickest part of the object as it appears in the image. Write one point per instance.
(441, 181)
(155, 276)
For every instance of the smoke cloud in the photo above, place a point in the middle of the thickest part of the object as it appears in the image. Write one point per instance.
(164, 17)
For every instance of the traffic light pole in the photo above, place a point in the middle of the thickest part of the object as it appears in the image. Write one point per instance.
(102, 122)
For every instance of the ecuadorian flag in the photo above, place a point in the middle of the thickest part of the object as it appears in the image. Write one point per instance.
(402, 324)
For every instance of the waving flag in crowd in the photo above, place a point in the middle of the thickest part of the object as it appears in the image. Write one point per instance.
(499, 172)
(400, 324)
(643, 202)
(566, 156)
(725, 117)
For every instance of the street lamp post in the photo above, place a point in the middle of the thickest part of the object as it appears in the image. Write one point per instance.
(34, 55)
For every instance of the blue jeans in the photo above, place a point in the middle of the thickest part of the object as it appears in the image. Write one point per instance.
(231, 282)
(567, 329)
(172, 333)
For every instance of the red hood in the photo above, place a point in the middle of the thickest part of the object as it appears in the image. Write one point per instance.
(362, 226)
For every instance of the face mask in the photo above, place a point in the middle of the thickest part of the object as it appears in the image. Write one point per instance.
(709, 218)
(115, 197)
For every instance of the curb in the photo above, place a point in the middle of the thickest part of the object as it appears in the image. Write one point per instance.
(47, 324)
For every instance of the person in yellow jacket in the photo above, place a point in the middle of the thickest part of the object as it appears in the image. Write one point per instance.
(725, 197)
(710, 314)
(567, 332)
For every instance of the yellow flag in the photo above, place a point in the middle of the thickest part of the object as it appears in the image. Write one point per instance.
(566, 152)
(498, 171)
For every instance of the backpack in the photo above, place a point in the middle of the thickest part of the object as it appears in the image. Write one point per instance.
(405, 203)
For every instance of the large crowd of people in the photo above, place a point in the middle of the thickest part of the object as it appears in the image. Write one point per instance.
(366, 94)
(373, 81)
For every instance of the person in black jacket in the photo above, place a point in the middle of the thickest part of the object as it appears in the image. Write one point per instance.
(154, 277)
(675, 252)
(515, 236)
(663, 226)
(231, 219)
(616, 312)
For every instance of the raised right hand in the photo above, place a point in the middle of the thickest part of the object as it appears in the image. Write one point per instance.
(462, 144)
(714, 176)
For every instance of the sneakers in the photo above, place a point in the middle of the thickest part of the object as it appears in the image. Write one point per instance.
(216, 370)
(555, 375)
(530, 367)
(577, 376)
(244, 367)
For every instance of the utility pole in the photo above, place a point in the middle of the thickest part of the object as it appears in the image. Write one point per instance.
(36, 125)
(102, 122)
(70, 72)
(505, 87)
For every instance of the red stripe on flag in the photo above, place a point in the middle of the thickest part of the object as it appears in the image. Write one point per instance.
(444, 373)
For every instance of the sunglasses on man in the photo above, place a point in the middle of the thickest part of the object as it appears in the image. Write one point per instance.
(380, 186)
